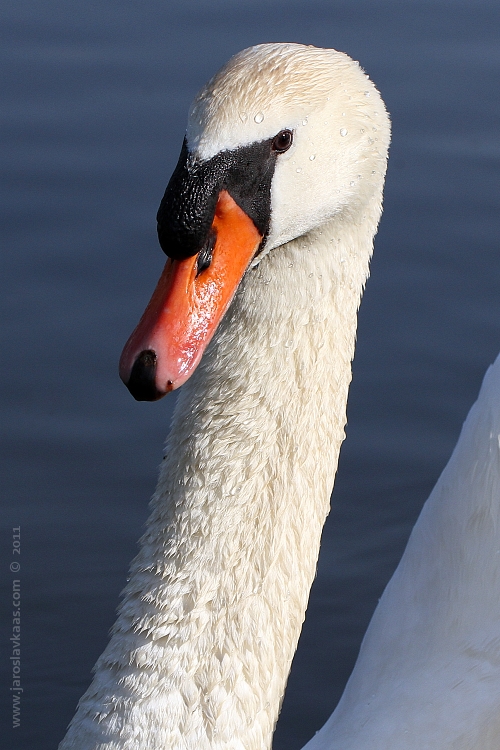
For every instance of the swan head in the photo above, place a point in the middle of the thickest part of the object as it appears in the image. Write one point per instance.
(283, 139)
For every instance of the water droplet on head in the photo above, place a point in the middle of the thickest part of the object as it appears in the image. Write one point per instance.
(243, 116)
(343, 132)
(367, 93)
(352, 183)
(312, 157)
(343, 114)
(304, 122)
(259, 117)
(299, 169)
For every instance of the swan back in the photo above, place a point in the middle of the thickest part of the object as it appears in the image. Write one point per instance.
(428, 672)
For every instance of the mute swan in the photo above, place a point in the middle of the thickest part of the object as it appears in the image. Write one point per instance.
(272, 207)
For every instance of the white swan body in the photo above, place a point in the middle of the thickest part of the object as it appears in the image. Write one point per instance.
(428, 673)
(210, 619)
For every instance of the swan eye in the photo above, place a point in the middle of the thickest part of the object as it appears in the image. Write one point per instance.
(282, 141)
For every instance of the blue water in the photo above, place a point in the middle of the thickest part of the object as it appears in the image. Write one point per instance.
(94, 106)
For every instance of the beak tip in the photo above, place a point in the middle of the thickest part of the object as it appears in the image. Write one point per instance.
(141, 381)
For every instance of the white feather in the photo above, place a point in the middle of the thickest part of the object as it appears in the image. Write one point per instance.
(210, 619)
(428, 673)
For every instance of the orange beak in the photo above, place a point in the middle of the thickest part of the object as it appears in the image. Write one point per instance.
(187, 306)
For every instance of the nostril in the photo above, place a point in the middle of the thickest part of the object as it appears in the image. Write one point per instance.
(205, 255)
(142, 381)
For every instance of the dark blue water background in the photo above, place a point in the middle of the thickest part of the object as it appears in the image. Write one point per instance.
(96, 96)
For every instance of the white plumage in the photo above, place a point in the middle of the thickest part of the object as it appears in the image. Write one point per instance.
(211, 616)
(202, 647)
(428, 673)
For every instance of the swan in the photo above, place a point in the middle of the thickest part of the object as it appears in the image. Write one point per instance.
(268, 222)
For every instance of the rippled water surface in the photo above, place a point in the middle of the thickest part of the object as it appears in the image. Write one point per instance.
(95, 101)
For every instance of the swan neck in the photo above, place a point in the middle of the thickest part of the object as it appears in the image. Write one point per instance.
(213, 610)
